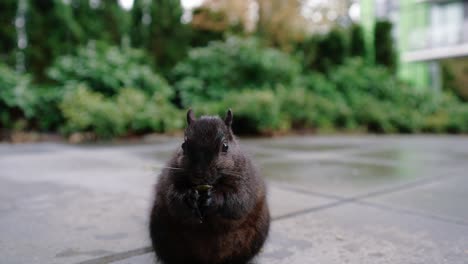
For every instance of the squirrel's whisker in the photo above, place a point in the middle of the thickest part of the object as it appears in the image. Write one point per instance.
(166, 167)
(231, 173)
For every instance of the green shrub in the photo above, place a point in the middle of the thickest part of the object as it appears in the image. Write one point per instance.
(357, 44)
(355, 76)
(156, 114)
(451, 116)
(210, 72)
(255, 111)
(458, 122)
(86, 110)
(48, 116)
(323, 53)
(306, 109)
(17, 98)
(333, 49)
(320, 84)
(297, 105)
(372, 115)
(107, 69)
(385, 53)
(130, 111)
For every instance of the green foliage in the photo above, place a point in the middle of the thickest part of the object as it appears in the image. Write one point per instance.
(16, 100)
(256, 111)
(450, 116)
(106, 69)
(52, 31)
(385, 53)
(114, 91)
(85, 110)
(201, 37)
(304, 109)
(334, 47)
(55, 28)
(7, 29)
(157, 28)
(356, 78)
(455, 77)
(104, 21)
(380, 102)
(148, 113)
(357, 45)
(321, 53)
(130, 111)
(209, 73)
(47, 115)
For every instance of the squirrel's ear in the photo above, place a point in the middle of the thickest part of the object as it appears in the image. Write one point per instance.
(190, 117)
(228, 118)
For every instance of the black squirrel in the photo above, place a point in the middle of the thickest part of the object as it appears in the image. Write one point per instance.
(210, 205)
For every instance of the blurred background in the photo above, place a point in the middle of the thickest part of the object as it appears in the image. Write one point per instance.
(101, 69)
(121, 75)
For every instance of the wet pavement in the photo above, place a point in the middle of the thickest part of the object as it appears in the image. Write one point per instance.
(352, 199)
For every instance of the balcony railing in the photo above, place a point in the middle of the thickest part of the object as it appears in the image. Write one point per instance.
(438, 37)
(437, 43)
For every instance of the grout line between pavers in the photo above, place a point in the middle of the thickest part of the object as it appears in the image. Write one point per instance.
(119, 256)
(412, 212)
(359, 199)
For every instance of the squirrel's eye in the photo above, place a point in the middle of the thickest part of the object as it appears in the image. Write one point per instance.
(225, 147)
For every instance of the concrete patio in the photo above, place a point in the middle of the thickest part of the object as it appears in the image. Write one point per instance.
(351, 199)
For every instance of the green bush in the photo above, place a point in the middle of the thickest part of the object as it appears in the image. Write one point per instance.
(372, 115)
(255, 111)
(259, 111)
(357, 77)
(333, 49)
(86, 110)
(323, 53)
(8, 42)
(17, 99)
(306, 109)
(385, 53)
(143, 114)
(451, 116)
(130, 111)
(320, 84)
(357, 44)
(47, 112)
(106, 69)
(210, 72)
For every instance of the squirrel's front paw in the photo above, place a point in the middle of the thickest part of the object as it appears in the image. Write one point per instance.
(205, 199)
(192, 198)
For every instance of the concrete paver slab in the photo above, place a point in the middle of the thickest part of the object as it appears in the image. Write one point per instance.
(359, 234)
(348, 179)
(443, 198)
(66, 204)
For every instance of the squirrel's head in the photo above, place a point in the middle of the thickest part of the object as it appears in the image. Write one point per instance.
(208, 148)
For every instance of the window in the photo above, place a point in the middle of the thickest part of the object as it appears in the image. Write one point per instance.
(446, 24)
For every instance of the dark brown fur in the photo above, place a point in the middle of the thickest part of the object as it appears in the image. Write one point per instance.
(235, 218)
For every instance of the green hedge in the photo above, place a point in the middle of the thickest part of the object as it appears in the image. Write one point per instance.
(211, 72)
(112, 92)
(130, 111)
(17, 102)
(106, 69)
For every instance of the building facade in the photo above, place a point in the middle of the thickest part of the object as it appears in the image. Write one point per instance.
(427, 32)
